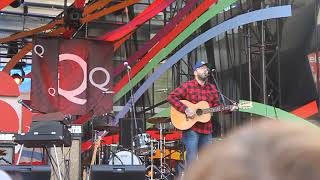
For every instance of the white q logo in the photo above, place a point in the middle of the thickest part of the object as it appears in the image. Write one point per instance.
(70, 95)
(37, 52)
(100, 86)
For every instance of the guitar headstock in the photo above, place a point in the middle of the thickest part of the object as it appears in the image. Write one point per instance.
(98, 141)
(245, 105)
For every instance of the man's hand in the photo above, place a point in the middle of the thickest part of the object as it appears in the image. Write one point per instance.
(234, 107)
(190, 113)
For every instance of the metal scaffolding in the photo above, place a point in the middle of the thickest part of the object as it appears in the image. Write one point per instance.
(246, 59)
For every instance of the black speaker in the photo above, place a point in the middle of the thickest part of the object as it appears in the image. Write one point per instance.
(28, 172)
(125, 130)
(12, 49)
(117, 172)
(16, 3)
(73, 17)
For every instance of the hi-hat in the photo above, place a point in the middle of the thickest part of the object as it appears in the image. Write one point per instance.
(157, 120)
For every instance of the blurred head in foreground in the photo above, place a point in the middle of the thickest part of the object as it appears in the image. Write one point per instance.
(4, 176)
(268, 150)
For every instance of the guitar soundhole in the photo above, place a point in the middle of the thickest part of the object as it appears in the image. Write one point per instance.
(199, 112)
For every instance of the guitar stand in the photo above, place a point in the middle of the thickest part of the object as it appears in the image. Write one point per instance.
(54, 161)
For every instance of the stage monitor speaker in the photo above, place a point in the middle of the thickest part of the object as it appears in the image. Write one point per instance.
(125, 130)
(28, 172)
(116, 172)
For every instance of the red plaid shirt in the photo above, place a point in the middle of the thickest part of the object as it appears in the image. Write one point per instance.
(192, 91)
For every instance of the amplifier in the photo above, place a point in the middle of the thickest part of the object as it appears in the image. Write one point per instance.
(118, 172)
(28, 172)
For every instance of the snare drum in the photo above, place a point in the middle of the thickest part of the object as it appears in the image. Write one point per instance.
(141, 143)
(124, 158)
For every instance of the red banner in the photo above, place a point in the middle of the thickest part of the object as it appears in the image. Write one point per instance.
(156, 7)
(4, 3)
(71, 76)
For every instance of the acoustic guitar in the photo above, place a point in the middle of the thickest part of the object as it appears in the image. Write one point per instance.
(202, 113)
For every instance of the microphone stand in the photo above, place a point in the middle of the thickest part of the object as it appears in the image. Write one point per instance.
(273, 104)
(222, 98)
(219, 91)
(132, 109)
(31, 109)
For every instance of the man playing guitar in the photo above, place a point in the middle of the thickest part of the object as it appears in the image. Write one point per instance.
(194, 91)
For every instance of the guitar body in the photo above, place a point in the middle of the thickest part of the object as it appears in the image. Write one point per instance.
(182, 122)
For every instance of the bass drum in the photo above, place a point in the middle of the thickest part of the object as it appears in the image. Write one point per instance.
(124, 158)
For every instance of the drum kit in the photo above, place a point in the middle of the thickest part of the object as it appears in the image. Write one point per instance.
(155, 149)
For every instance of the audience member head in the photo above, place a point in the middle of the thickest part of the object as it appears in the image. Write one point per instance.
(4, 175)
(267, 150)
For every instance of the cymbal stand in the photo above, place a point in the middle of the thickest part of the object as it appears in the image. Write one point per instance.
(151, 159)
(161, 151)
(163, 167)
(152, 167)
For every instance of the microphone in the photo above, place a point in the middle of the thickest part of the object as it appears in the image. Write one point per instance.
(108, 114)
(210, 72)
(161, 90)
(270, 93)
(68, 117)
(24, 105)
(127, 65)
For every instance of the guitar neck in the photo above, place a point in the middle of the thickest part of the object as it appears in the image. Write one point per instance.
(216, 109)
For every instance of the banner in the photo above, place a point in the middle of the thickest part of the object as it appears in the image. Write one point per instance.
(71, 76)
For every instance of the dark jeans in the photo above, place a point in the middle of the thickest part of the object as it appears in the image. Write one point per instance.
(193, 142)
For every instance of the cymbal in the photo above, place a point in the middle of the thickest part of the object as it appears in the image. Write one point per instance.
(157, 120)
(165, 132)
(111, 129)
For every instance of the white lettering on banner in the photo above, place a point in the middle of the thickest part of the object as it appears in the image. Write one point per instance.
(37, 52)
(100, 86)
(70, 95)
(52, 91)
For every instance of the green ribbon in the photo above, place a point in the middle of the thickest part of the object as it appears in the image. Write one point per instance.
(262, 110)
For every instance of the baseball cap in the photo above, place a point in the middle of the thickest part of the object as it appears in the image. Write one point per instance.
(199, 64)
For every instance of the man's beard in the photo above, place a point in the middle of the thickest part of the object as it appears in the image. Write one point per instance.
(203, 76)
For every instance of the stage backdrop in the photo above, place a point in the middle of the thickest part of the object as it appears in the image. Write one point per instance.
(71, 76)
